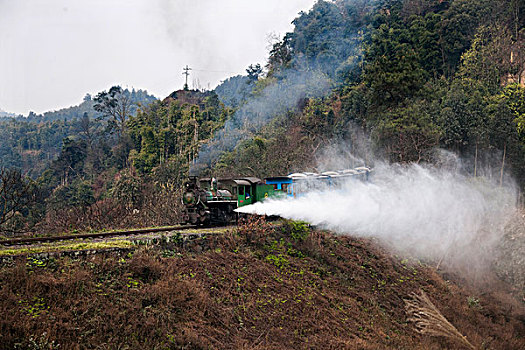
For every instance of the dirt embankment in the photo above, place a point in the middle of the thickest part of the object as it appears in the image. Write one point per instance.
(258, 288)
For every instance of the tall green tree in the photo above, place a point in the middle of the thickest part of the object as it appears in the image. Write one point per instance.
(18, 197)
(115, 105)
(392, 72)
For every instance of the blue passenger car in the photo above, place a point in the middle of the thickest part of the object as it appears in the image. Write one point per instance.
(280, 184)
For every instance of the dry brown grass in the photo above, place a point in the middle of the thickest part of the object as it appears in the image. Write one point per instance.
(159, 207)
(429, 320)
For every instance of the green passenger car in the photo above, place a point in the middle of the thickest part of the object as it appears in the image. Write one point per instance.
(252, 190)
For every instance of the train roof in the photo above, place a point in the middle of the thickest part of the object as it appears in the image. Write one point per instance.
(329, 174)
(253, 180)
(243, 181)
(298, 175)
(250, 180)
(278, 179)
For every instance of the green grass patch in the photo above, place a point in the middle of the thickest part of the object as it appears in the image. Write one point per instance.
(67, 247)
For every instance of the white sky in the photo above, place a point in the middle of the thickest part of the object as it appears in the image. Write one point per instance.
(53, 52)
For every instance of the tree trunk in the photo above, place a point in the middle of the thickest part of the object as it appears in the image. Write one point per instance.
(476, 160)
(503, 164)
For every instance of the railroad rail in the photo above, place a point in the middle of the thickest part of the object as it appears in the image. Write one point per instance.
(31, 240)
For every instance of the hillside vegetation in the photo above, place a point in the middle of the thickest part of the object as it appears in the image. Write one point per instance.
(260, 287)
(427, 74)
(31, 143)
(369, 81)
(386, 79)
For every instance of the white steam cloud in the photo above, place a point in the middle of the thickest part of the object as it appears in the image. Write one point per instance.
(430, 213)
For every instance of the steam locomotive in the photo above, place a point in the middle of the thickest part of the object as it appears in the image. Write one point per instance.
(210, 201)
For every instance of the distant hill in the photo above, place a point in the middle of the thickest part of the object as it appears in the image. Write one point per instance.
(139, 97)
(31, 142)
(4, 114)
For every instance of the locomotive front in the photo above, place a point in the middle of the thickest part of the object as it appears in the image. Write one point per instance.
(194, 201)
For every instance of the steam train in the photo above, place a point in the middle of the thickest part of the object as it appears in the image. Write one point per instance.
(210, 201)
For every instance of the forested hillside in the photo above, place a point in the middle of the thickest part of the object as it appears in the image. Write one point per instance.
(387, 79)
(31, 143)
(110, 166)
(428, 74)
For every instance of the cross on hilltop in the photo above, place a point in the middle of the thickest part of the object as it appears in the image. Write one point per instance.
(186, 73)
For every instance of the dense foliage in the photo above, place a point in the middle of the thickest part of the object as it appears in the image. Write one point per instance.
(425, 74)
(31, 143)
(404, 78)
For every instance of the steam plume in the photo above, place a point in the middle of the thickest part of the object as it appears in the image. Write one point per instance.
(428, 212)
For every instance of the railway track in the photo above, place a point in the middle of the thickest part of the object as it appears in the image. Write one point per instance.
(32, 240)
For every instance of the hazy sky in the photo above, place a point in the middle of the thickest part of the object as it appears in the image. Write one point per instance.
(53, 52)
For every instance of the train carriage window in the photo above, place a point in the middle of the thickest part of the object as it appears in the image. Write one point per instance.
(241, 190)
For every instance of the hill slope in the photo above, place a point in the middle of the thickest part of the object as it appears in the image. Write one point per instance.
(259, 288)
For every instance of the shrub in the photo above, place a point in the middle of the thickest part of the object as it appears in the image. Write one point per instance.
(298, 230)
